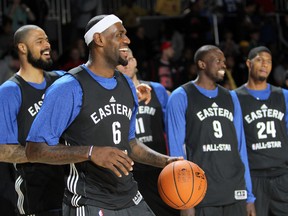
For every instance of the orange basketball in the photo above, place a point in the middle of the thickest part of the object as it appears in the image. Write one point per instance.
(182, 184)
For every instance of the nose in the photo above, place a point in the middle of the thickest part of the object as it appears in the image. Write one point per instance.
(126, 39)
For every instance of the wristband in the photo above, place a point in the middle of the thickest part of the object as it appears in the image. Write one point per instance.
(90, 152)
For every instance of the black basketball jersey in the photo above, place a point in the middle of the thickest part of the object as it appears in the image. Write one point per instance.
(104, 120)
(32, 100)
(265, 130)
(150, 126)
(40, 187)
(211, 142)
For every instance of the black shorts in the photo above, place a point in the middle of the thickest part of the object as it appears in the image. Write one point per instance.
(271, 195)
(142, 209)
(235, 209)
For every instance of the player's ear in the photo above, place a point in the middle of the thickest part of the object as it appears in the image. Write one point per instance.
(97, 37)
(201, 64)
(22, 47)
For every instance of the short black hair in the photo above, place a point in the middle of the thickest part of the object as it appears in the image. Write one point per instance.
(93, 21)
(255, 51)
(202, 52)
(21, 33)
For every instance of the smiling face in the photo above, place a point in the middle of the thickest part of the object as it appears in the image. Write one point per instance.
(213, 65)
(117, 41)
(38, 49)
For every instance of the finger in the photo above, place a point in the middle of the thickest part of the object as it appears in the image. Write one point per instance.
(114, 169)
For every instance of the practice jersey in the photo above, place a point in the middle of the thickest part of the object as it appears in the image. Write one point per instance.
(150, 121)
(265, 131)
(209, 123)
(34, 181)
(205, 126)
(110, 121)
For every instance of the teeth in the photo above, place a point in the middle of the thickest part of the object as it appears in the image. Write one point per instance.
(123, 49)
(222, 72)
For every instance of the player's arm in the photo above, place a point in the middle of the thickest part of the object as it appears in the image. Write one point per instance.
(175, 122)
(53, 119)
(10, 100)
(238, 122)
(285, 92)
(107, 157)
(143, 154)
(12, 153)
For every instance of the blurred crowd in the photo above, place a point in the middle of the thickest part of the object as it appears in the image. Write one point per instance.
(165, 53)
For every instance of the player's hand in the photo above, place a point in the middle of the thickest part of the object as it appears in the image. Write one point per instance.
(143, 92)
(172, 159)
(187, 212)
(112, 158)
(251, 211)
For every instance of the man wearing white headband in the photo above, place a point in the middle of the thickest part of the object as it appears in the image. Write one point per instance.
(93, 108)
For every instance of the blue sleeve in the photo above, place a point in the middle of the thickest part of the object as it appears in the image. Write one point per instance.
(10, 102)
(134, 112)
(60, 72)
(161, 94)
(285, 92)
(61, 105)
(176, 123)
(238, 122)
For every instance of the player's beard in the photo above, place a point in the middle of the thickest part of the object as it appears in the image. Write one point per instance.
(39, 63)
(122, 61)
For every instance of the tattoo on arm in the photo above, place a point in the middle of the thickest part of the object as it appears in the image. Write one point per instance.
(13, 153)
(143, 154)
(59, 154)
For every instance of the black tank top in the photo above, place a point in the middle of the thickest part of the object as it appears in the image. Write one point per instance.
(211, 142)
(265, 131)
(150, 126)
(43, 184)
(32, 100)
(104, 120)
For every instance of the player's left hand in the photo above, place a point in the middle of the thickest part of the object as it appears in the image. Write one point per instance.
(143, 92)
(251, 211)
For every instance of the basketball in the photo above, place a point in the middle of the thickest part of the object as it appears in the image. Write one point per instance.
(182, 184)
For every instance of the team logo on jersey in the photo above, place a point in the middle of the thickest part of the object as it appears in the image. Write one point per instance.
(263, 112)
(112, 100)
(34, 109)
(214, 110)
(240, 194)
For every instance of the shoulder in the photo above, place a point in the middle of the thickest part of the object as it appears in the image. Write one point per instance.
(10, 91)
(59, 72)
(157, 85)
(9, 88)
(65, 84)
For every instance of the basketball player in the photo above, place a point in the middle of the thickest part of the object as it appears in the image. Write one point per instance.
(265, 116)
(149, 130)
(40, 187)
(204, 124)
(93, 107)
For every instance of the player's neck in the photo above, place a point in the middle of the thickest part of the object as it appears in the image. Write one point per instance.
(256, 85)
(31, 74)
(205, 83)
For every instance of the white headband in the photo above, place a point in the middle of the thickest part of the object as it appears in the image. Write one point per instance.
(101, 26)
